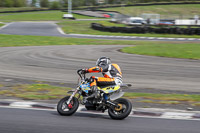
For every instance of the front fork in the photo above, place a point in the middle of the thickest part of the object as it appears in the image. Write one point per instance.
(73, 94)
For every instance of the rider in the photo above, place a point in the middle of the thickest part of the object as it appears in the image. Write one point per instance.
(111, 72)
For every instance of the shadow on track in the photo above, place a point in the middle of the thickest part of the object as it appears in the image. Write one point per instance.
(86, 115)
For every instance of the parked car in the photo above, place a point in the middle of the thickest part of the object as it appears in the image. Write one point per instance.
(135, 21)
(165, 23)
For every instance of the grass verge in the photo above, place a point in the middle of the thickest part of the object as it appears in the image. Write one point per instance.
(35, 91)
(40, 91)
(2, 9)
(38, 16)
(164, 97)
(22, 40)
(26, 40)
(188, 51)
(174, 49)
(166, 11)
(1, 25)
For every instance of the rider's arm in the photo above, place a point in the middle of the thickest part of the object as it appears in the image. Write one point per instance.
(97, 69)
(94, 69)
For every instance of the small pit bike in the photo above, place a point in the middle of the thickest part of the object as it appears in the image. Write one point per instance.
(108, 98)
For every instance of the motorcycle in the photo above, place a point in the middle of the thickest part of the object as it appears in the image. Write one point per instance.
(106, 98)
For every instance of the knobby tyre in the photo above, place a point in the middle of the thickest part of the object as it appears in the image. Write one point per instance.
(123, 111)
(64, 109)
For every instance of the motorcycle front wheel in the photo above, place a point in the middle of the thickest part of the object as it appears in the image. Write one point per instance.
(64, 109)
(122, 111)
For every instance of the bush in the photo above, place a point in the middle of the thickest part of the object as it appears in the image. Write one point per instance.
(55, 5)
(8, 3)
(44, 3)
(19, 3)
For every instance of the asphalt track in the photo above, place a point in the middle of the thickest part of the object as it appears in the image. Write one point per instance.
(40, 121)
(59, 63)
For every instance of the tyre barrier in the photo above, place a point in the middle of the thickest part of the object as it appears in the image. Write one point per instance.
(146, 29)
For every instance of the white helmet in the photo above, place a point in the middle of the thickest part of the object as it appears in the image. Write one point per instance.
(103, 61)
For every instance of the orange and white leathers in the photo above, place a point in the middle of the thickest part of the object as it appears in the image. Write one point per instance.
(112, 75)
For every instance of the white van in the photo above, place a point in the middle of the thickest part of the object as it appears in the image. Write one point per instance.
(135, 21)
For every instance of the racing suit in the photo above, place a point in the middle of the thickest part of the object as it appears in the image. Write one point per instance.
(111, 72)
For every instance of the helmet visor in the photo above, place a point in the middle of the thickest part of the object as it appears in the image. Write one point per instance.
(101, 62)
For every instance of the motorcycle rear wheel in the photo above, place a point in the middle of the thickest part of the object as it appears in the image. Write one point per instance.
(67, 110)
(123, 111)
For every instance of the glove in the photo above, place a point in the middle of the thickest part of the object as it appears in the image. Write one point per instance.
(83, 71)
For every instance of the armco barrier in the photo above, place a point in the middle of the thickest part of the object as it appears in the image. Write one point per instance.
(147, 29)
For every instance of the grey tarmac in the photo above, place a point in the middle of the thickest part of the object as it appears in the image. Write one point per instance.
(37, 121)
(60, 63)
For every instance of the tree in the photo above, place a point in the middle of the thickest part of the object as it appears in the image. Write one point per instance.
(55, 5)
(2, 3)
(44, 3)
(9, 3)
(19, 3)
(33, 3)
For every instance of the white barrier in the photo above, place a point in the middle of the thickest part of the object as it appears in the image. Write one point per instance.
(187, 22)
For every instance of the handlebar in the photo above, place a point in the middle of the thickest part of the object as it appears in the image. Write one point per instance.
(82, 75)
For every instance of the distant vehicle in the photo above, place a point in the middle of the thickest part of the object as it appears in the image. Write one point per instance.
(165, 23)
(135, 21)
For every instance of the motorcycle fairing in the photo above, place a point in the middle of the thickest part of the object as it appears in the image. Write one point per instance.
(110, 89)
(85, 87)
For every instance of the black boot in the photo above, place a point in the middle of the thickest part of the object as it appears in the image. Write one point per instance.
(94, 92)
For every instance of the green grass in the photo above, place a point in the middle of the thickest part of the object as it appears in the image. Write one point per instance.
(36, 91)
(22, 40)
(164, 97)
(38, 16)
(174, 49)
(188, 51)
(25, 40)
(42, 91)
(84, 27)
(2, 9)
(1, 24)
(170, 11)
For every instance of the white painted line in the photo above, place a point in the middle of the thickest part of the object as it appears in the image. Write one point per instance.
(151, 37)
(22, 104)
(88, 35)
(126, 37)
(160, 38)
(181, 38)
(191, 38)
(142, 37)
(155, 117)
(27, 108)
(5, 26)
(170, 38)
(176, 115)
(99, 36)
(133, 37)
(118, 36)
(61, 31)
